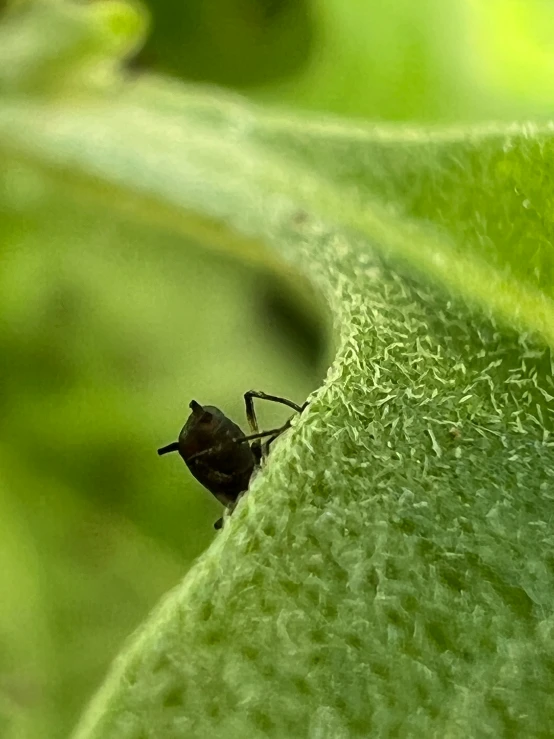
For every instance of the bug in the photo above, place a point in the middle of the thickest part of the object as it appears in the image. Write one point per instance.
(219, 454)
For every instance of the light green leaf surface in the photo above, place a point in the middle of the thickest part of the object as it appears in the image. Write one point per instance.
(460, 205)
(390, 572)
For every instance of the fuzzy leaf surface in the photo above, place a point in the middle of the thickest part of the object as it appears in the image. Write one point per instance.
(390, 572)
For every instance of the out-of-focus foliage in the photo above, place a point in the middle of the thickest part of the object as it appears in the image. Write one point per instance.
(403, 60)
(513, 54)
(112, 317)
(428, 60)
(108, 329)
(229, 42)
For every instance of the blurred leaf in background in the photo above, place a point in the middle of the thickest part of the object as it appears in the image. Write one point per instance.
(241, 43)
(427, 60)
(461, 60)
(108, 330)
(110, 325)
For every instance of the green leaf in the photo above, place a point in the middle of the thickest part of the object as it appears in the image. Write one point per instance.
(391, 569)
(24, 639)
(50, 47)
(427, 60)
(427, 196)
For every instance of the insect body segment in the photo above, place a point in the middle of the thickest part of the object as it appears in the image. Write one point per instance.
(219, 454)
(208, 445)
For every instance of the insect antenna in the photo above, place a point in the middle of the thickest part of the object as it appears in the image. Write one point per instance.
(174, 447)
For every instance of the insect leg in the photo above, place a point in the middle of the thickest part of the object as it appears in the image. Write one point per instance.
(253, 421)
(258, 450)
(262, 434)
(268, 443)
(251, 412)
(251, 394)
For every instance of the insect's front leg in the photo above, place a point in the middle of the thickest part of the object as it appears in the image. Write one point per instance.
(229, 508)
(260, 449)
(249, 402)
(251, 411)
(257, 451)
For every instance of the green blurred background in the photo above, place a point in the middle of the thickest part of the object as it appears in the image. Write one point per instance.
(108, 329)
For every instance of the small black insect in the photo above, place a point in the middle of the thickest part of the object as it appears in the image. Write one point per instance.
(219, 454)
